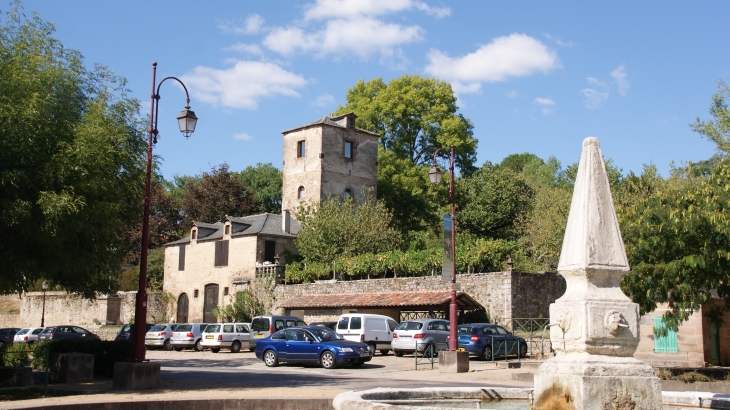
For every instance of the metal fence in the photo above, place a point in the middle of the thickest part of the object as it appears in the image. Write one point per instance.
(429, 354)
(18, 364)
(535, 331)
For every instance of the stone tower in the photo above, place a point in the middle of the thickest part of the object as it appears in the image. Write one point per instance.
(594, 327)
(329, 156)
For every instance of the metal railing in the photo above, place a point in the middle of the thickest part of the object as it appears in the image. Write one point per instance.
(20, 361)
(533, 331)
(429, 354)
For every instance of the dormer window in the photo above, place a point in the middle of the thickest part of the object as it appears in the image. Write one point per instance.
(194, 234)
(350, 122)
(228, 229)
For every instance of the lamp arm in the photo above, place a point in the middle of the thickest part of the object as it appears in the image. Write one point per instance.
(156, 98)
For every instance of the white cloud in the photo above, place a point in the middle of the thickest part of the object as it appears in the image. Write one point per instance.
(361, 37)
(619, 76)
(245, 48)
(546, 104)
(352, 9)
(594, 97)
(252, 25)
(516, 55)
(513, 94)
(242, 136)
(243, 84)
(324, 100)
(559, 41)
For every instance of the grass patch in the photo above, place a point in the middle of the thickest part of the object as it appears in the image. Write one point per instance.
(29, 393)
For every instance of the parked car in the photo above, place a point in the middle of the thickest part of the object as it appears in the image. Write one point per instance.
(374, 330)
(159, 336)
(330, 325)
(418, 334)
(484, 340)
(28, 335)
(126, 331)
(229, 335)
(66, 332)
(7, 334)
(188, 335)
(263, 326)
(311, 345)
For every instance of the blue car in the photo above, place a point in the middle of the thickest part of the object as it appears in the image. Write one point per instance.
(484, 340)
(311, 345)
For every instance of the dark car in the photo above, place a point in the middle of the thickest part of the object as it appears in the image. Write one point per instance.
(484, 340)
(7, 334)
(311, 345)
(66, 332)
(126, 332)
(331, 325)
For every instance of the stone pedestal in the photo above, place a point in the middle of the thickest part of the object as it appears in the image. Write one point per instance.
(451, 361)
(72, 368)
(136, 376)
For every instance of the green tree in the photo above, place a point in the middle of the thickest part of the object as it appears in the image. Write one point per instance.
(72, 161)
(717, 130)
(265, 181)
(217, 194)
(414, 116)
(243, 307)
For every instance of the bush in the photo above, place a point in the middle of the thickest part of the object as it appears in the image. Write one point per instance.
(16, 355)
(106, 353)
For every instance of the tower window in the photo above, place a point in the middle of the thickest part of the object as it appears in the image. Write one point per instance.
(301, 192)
(301, 149)
(348, 149)
(348, 193)
(228, 229)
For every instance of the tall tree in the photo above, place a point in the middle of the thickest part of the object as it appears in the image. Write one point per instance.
(71, 162)
(414, 116)
(265, 181)
(217, 194)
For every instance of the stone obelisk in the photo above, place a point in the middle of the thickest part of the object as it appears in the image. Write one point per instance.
(594, 326)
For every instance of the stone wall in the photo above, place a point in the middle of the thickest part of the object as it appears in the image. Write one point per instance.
(64, 308)
(505, 295)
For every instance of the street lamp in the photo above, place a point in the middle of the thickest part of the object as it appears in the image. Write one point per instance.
(434, 175)
(44, 285)
(186, 121)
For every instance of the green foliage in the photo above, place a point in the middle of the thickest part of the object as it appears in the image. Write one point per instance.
(72, 155)
(265, 181)
(414, 116)
(717, 130)
(17, 355)
(129, 279)
(106, 353)
(242, 308)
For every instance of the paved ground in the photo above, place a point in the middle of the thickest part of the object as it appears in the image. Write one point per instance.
(189, 374)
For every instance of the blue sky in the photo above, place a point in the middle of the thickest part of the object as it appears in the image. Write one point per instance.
(532, 76)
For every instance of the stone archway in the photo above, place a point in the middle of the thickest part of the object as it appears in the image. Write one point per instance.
(182, 308)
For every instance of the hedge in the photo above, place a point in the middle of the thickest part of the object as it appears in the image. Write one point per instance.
(106, 353)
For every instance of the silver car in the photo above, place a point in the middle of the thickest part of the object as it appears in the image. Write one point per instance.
(159, 336)
(413, 335)
(188, 335)
(229, 335)
(28, 335)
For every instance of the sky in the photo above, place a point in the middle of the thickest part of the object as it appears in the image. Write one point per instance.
(532, 76)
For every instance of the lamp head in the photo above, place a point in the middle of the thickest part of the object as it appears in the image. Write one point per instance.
(44, 285)
(434, 175)
(187, 121)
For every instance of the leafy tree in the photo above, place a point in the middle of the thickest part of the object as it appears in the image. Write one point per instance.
(265, 181)
(342, 227)
(518, 162)
(717, 130)
(216, 195)
(243, 307)
(414, 116)
(128, 280)
(72, 162)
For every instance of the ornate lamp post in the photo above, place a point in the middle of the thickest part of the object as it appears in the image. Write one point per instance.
(44, 285)
(186, 121)
(434, 175)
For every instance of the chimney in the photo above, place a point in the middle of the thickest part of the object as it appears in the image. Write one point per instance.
(285, 222)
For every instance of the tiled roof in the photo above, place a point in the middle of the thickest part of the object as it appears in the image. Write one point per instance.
(327, 121)
(382, 299)
(266, 224)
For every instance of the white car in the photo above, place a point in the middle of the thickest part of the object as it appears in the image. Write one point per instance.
(28, 335)
(229, 335)
(375, 330)
(159, 336)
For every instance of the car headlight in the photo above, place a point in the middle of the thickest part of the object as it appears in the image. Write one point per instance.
(346, 349)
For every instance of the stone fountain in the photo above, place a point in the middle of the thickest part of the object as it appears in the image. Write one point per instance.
(594, 326)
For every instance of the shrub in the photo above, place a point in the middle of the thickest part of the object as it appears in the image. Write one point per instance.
(106, 353)
(17, 355)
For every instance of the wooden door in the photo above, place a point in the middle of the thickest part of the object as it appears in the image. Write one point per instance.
(210, 303)
(182, 308)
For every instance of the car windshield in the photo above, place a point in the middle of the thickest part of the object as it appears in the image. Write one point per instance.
(409, 326)
(157, 328)
(324, 334)
(260, 325)
(466, 330)
(126, 328)
(184, 328)
(23, 331)
(213, 328)
(49, 330)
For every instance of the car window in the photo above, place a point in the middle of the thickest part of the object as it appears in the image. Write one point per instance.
(241, 328)
(48, 330)
(202, 326)
(392, 324)
(324, 334)
(184, 328)
(488, 331)
(157, 328)
(501, 331)
(23, 331)
(174, 327)
(297, 335)
(213, 329)
(280, 335)
(291, 323)
(260, 325)
(356, 323)
(80, 330)
(37, 331)
(278, 324)
(126, 328)
(466, 330)
(343, 323)
(227, 328)
(301, 323)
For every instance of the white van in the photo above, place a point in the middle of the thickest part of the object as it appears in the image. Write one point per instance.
(375, 330)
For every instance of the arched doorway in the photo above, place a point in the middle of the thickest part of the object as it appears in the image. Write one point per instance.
(182, 308)
(210, 302)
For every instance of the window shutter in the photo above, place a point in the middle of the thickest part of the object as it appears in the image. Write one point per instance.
(224, 258)
(181, 258)
(665, 344)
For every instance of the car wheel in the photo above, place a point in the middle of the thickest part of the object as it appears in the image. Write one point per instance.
(215, 349)
(358, 364)
(487, 353)
(384, 352)
(251, 349)
(398, 353)
(371, 346)
(178, 349)
(327, 360)
(167, 345)
(523, 349)
(270, 358)
(235, 347)
(199, 346)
